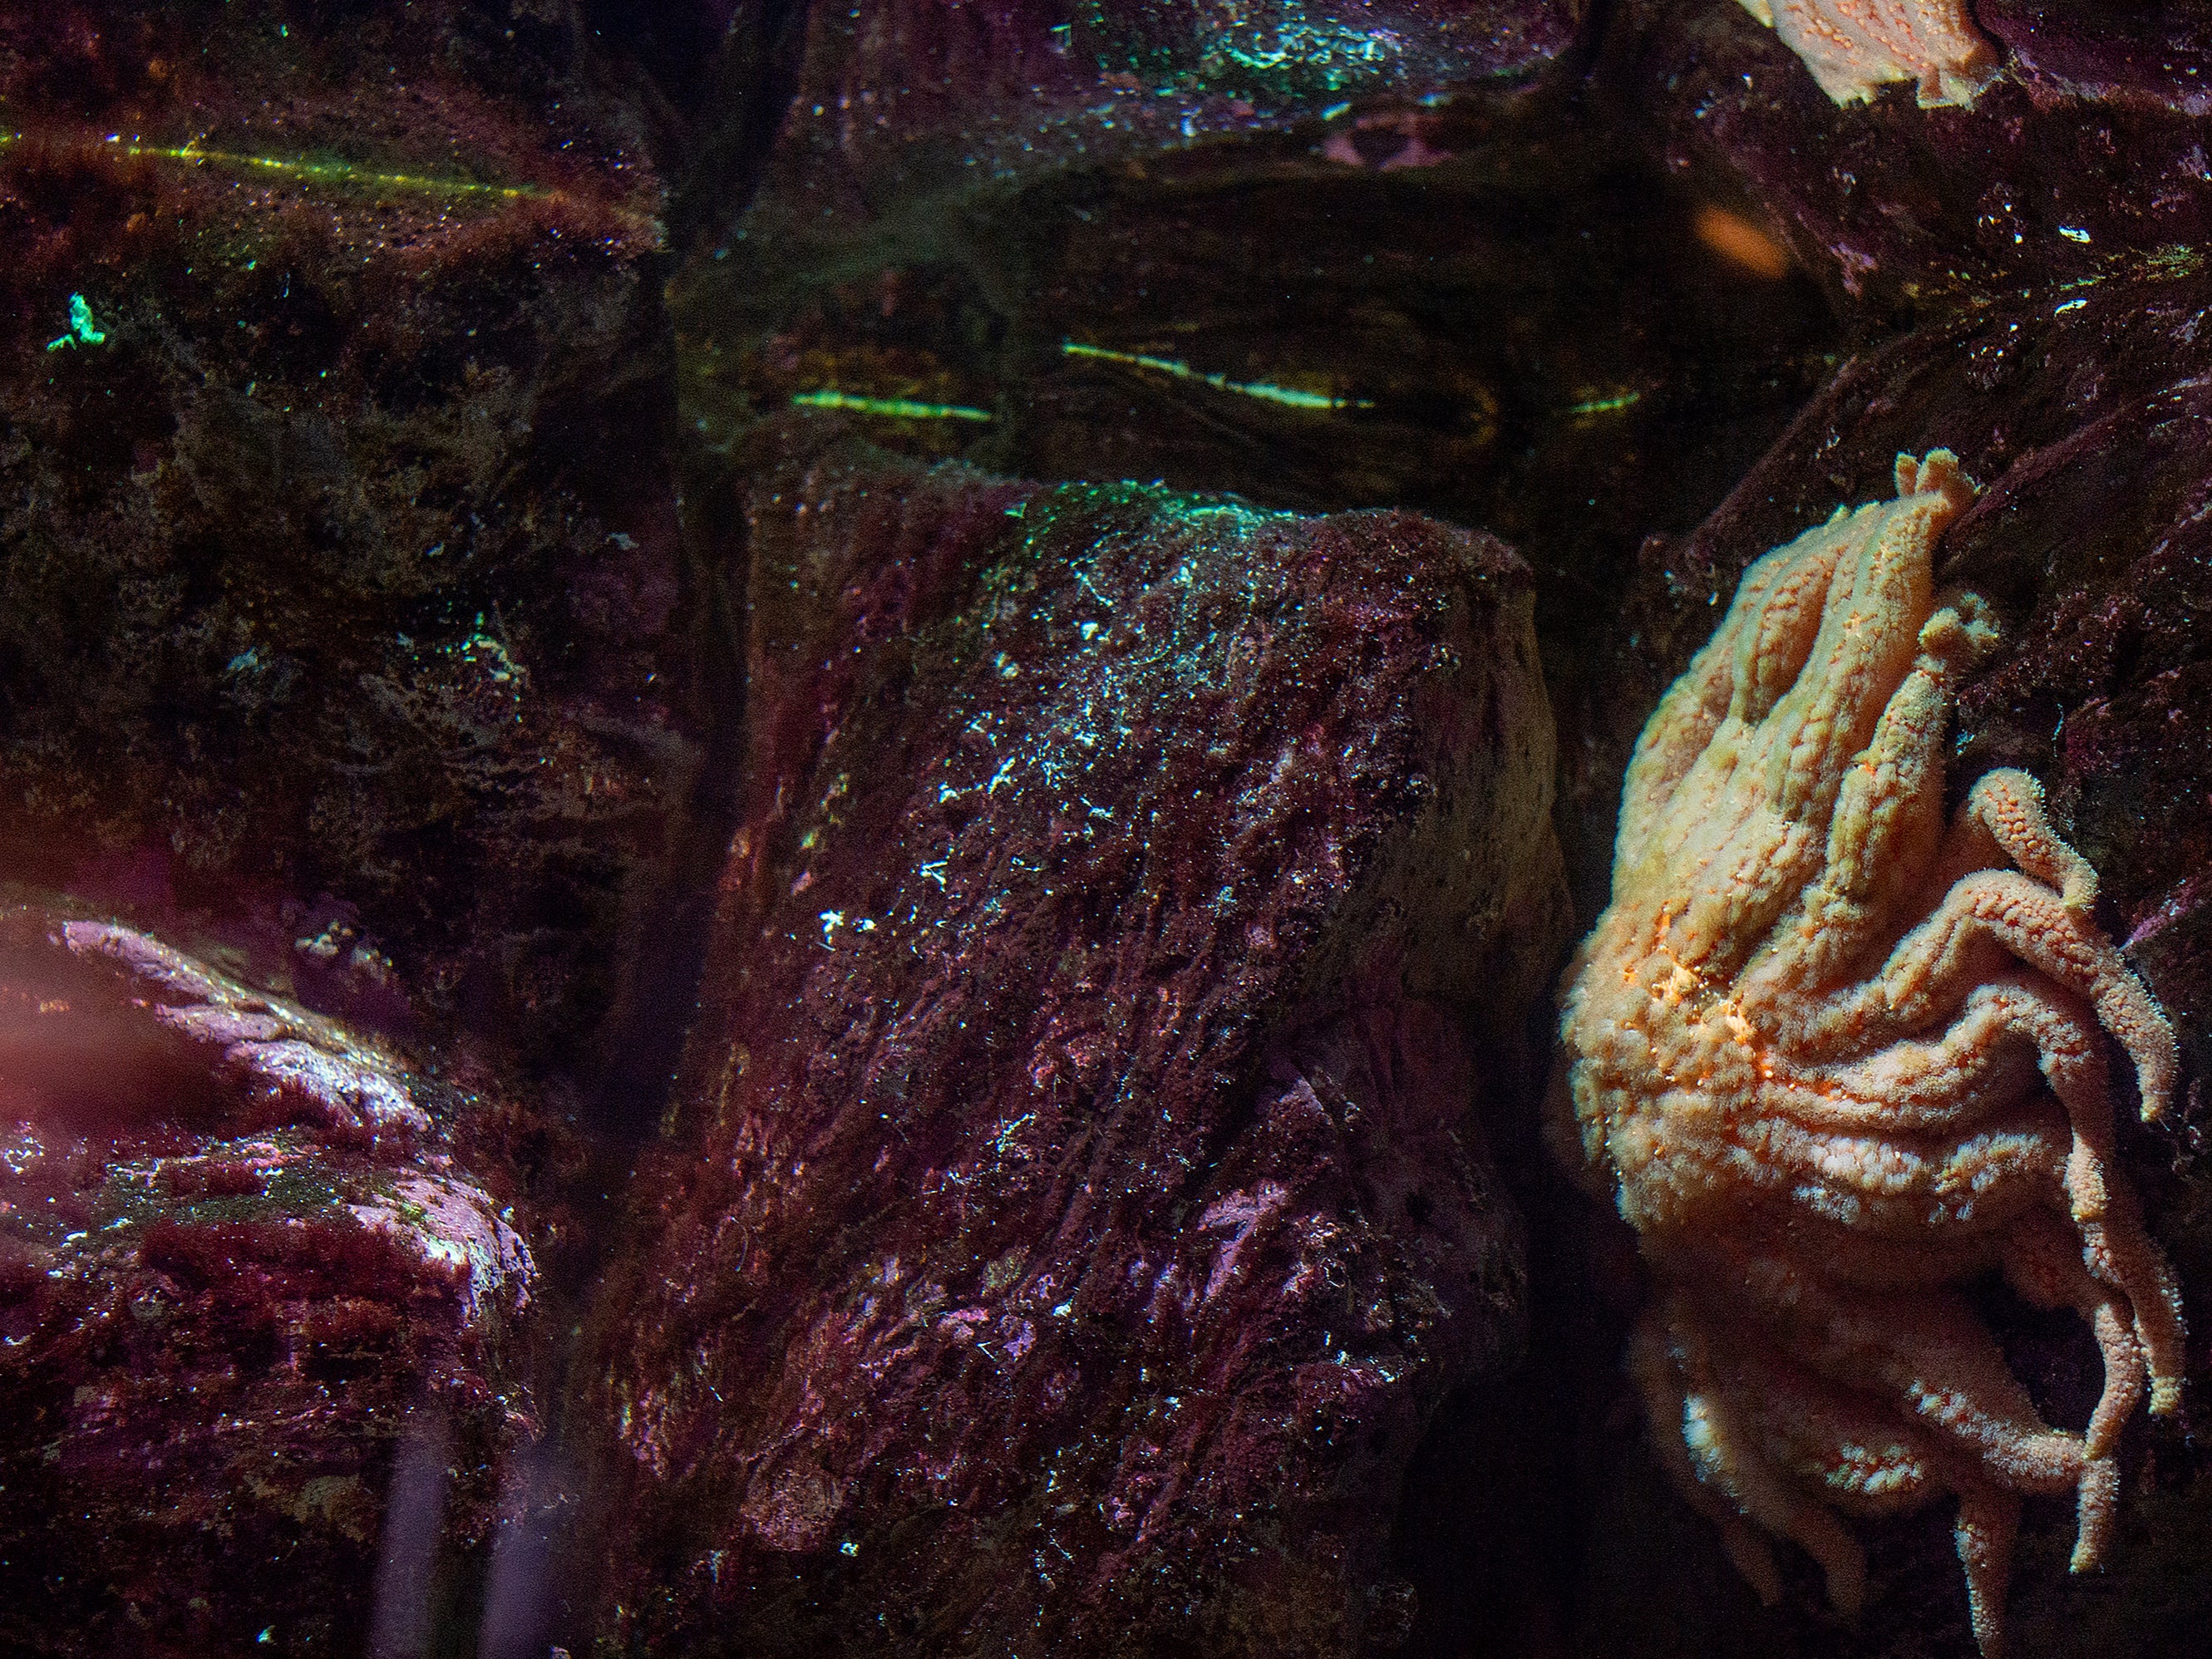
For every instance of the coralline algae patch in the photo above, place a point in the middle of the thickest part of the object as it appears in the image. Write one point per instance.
(222, 1106)
(460, 1243)
(237, 1251)
(355, 1085)
(454, 1225)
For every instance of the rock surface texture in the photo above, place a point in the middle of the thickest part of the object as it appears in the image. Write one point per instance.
(338, 540)
(434, 514)
(1075, 1215)
(241, 1268)
(898, 106)
(2081, 160)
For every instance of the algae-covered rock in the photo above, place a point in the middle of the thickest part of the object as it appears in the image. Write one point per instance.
(2081, 162)
(242, 1265)
(1072, 1212)
(899, 108)
(337, 503)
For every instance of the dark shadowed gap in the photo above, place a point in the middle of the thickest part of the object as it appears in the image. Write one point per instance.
(653, 1011)
(751, 83)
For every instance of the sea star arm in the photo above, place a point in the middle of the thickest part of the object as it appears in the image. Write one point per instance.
(2043, 1264)
(2005, 812)
(1987, 1525)
(1718, 1452)
(1934, 962)
(1869, 635)
(1931, 1355)
(1887, 1187)
(1915, 1088)
(1746, 826)
(1752, 658)
(1752, 1415)
(1882, 838)
(1681, 803)
(1938, 1085)
(1886, 826)
(1853, 46)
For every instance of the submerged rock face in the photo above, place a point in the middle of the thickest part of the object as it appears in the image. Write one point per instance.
(1322, 255)
(1074, 1214)
(337, 516)
(898, 105)
(2080, 161)
(1069, 1215)
(241, 1265)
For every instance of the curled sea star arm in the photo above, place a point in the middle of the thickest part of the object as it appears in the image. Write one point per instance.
(2004, 816)
(1934, 964)
(1959, 1077)
(2119, 1254)
(2042, 1263)
(2006, 809)
(1893, 1188)
(1933, 1087)
(2042, 1267)
(1930, 1355)
(2112, 1242)
(1777, 1416)
(1717, 1451)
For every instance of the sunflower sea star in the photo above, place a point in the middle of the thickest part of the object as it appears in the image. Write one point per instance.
(1854, 47)
(1803, 1045)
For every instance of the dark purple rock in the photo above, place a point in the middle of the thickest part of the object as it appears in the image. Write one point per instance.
(899, 105)
(339, 542)
(2082, 163)
(1074, 1212)
(2067, 52)
(248, 1258)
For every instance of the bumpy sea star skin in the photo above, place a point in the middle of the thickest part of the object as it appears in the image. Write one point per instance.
(1816, 1094)
(1854, 47)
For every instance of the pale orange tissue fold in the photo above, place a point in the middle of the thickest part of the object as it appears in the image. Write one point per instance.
(1854, 47)
(1834, 1058)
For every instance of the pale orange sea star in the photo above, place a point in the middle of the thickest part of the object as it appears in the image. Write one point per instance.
(1832, 1059)
(1854, 47)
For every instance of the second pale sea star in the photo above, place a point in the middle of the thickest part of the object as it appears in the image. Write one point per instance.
(1833, 1060)
(1854, 47)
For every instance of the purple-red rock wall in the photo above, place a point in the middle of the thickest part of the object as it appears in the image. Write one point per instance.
(2082, 161)
(248, 1259)
(898, 104)
(1075, 1211)
(340, 538)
